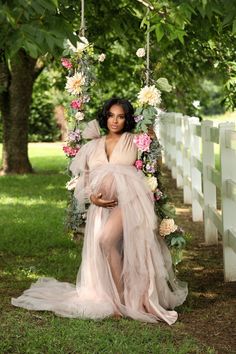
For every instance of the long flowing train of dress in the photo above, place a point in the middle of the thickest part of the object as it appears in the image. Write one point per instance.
(126, 266)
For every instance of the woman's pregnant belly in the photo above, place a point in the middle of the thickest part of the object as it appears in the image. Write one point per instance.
(107, 187)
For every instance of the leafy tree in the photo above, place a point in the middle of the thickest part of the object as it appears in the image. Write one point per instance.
(193, 41)
(32, 33)
(46, 95)
(30, 30)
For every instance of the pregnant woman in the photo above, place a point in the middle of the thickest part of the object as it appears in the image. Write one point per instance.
(126, 267)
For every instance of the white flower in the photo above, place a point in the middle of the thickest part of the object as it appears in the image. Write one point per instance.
(152, 183)
(167, 226)
(196, 104)
(70, 185)
(150, 95)
(101, 57)
(80, 45)
(140, 52)
(74, 83)
(79, 116)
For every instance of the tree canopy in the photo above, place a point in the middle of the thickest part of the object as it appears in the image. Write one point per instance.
(192, 44)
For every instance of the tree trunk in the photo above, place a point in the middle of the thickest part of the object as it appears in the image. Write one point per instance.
(15, 108)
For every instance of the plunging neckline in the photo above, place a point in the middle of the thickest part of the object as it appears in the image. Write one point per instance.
(114, 148)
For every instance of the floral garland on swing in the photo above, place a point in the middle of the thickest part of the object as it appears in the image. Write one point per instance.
(78, 61)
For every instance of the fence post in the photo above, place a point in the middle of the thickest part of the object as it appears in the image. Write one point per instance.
(209, 189)
(228, 171)
(186, 162)
(179, 149)
(167, 140)
(196, 175)
(173, 146)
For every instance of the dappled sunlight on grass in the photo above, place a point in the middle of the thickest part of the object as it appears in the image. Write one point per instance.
(10, 201)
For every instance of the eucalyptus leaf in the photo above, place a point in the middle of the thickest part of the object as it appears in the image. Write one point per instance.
(163, 84)
(138, 111)
(168, 210)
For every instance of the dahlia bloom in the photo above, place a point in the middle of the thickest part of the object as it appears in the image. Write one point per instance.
(149, 95)
(74, 83)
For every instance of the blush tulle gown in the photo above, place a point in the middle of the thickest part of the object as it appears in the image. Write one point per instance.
(126, 267)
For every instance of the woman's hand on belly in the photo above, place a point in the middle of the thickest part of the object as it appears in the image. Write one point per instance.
(97, 200)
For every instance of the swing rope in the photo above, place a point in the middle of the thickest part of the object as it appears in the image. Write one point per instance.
(148, 49)
(149, 7)
(82, 25)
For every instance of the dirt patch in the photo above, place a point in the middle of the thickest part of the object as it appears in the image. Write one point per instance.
(209, 313)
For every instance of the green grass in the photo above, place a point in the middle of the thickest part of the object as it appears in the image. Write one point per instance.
(221, 118)
(33, 243)
(227, 116)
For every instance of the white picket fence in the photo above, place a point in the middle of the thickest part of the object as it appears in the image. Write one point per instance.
(189, 154)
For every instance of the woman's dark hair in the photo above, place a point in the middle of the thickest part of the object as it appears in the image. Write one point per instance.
(128, 109)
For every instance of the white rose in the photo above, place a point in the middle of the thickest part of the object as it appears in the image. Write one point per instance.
(79, 116)
(140, 52)
(101, 57)
(167, 226)
(152, 183)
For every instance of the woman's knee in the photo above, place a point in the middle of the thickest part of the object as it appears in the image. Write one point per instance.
(105, 244)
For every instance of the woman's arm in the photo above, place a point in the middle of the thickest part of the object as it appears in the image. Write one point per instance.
(97, 200)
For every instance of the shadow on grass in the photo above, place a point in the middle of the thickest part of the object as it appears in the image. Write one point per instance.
(49, 164)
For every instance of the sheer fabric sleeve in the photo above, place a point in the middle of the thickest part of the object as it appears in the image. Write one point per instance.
(79, 167)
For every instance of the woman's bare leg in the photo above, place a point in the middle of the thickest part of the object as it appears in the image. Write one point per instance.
(109, 242)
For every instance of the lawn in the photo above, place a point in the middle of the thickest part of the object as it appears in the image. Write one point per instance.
(33, 243)
(220, 118)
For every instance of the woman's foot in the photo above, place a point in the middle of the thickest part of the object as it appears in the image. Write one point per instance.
(117, 315)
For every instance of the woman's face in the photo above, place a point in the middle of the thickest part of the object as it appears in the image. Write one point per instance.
(116, 119)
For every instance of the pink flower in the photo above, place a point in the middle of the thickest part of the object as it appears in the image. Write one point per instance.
(158, 194)
(138, 164)
(69, 151)
(142, 141)
(66, 63)
(75, 104)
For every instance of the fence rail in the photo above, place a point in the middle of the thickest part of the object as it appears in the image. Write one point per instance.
(188, 151)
